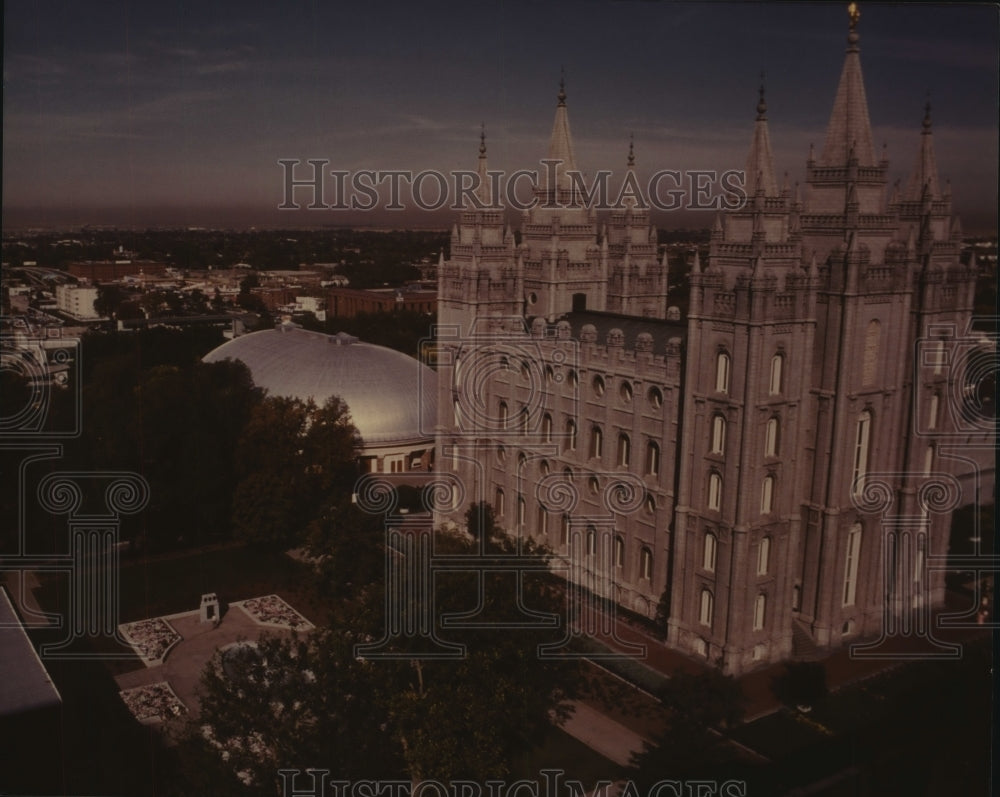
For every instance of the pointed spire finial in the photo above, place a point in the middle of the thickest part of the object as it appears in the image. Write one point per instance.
(631, 150)
(927, 113)
(562, 86)
(761, 104)
(482, 138)
(853, 15)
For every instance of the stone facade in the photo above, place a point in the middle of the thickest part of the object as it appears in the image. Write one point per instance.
(734, 467)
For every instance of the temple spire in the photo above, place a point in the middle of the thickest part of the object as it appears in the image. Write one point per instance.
(483, 190)
(759, 169)
(849, 126)
(925, 172)
(561, 143)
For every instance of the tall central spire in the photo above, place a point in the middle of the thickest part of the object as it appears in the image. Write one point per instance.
(759, 172)
(560, 143)
(925, 173)
(483, 190)
(849, 133)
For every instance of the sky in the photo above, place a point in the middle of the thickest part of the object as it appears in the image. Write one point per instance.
(177, 112)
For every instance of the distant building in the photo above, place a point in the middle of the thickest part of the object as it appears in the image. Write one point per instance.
(78, 301)
(112, 270)
(349, 302)
(732, 467)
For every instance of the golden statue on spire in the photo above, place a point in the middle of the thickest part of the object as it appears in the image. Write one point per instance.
(854, 14)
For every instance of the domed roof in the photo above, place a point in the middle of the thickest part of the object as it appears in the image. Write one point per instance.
(392, 397)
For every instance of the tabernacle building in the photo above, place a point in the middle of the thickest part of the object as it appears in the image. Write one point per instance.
(742, 470)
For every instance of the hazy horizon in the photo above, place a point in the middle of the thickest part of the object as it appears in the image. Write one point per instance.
(177, 115)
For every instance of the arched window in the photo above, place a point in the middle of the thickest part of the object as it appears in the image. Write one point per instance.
(655, 397)
(869, 370)
(777, 367)
(932, 412)
(498, 504)
(547, 428)
(571, 435)
(862, 445)
(718, 434)
(722, 363)
(851, 564)
(624, 450)
(709, 551)
(625, 392)
(650, 504)
(707, 611)
(502, 414)
(645, 564)
(714, 491)
(652, 458)
(763, 556)
(619, 552)
(520, 511)
(771, 438)
(767, 495)
(759, 608)
(523, 416)
(596, 442)
(543, 520)
(598, 385)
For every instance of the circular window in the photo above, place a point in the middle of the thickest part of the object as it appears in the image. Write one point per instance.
(543, 466)
(655, 398)
(532, 298)
(650, 504)
(598, 385)
(625, 392)
(595, 485)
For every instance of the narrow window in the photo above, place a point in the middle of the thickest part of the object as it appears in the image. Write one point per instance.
(851, 564)
(767, 495)
(932, 412)
(771, 438)
(520, 511)
(596, 442)
(707, 608)
(652, 458)
(498, 505)
(571, 435)
(547, 428)
(763, 556)
(777, 366)
(645, 564)
(870, 362)
(619, 550)
(759, 608)
(861, 448)
(714, 491)
(502, 414)
(722, 373)
(624, 450)
(718, 434)
(709, 552)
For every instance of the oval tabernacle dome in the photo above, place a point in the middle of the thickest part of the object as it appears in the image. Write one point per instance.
(392, 397)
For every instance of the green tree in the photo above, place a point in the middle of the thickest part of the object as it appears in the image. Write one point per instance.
(700, 708)
(292, 460)
(289, 703)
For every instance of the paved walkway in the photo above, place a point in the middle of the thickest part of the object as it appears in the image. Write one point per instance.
(602, 734)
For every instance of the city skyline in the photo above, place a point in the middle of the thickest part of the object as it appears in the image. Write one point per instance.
(137, 115)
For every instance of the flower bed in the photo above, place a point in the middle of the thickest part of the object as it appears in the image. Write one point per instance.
(152, 639)
(156, 702)
(273, 611)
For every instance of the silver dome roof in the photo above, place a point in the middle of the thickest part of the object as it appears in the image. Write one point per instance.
(392, 397)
